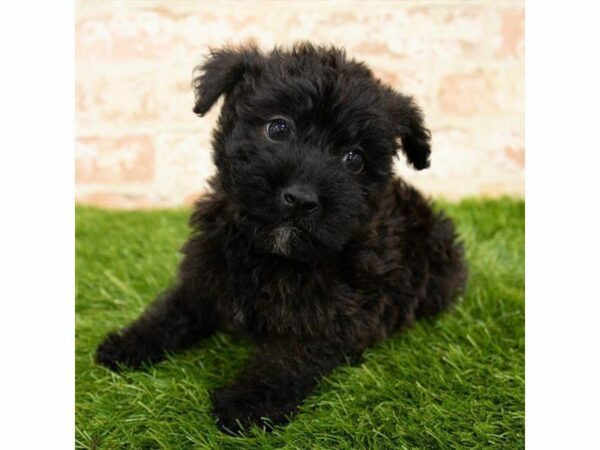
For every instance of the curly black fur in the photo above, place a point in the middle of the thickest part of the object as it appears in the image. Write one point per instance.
(314, 290)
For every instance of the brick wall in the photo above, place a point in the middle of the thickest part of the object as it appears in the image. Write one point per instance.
(140, 145)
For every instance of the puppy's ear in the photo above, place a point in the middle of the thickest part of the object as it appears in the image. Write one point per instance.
(410, 128)
(217, 76)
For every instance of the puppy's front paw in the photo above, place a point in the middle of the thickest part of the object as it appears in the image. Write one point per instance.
(238, 409)
(120, 350)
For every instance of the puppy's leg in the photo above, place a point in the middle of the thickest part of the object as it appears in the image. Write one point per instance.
(274, 384)
(173, 322)
(447, 268)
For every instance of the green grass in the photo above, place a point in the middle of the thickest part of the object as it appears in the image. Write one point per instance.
(454, 382)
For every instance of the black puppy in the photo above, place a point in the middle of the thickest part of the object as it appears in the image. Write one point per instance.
(307, 243)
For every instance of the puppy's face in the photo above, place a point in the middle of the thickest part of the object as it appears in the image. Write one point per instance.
(305, 143)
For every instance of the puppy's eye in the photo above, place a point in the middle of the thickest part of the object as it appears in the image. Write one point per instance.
(278, 130)
(354, 160)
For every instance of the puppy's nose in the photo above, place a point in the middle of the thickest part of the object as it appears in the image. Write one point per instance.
(300, 199)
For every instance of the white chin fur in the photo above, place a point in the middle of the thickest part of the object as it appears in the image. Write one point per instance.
(282, 239)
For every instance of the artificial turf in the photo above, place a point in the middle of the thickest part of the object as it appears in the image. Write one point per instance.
(453, 382)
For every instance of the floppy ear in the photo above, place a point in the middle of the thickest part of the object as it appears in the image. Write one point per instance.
(217, 76)
(410, 128)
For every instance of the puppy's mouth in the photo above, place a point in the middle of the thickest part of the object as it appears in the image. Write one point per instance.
(298, 239)
(294, 242)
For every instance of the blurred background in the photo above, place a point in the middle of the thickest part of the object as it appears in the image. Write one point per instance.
(140, 146)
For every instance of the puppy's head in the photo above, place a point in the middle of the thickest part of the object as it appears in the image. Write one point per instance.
(305, 143)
